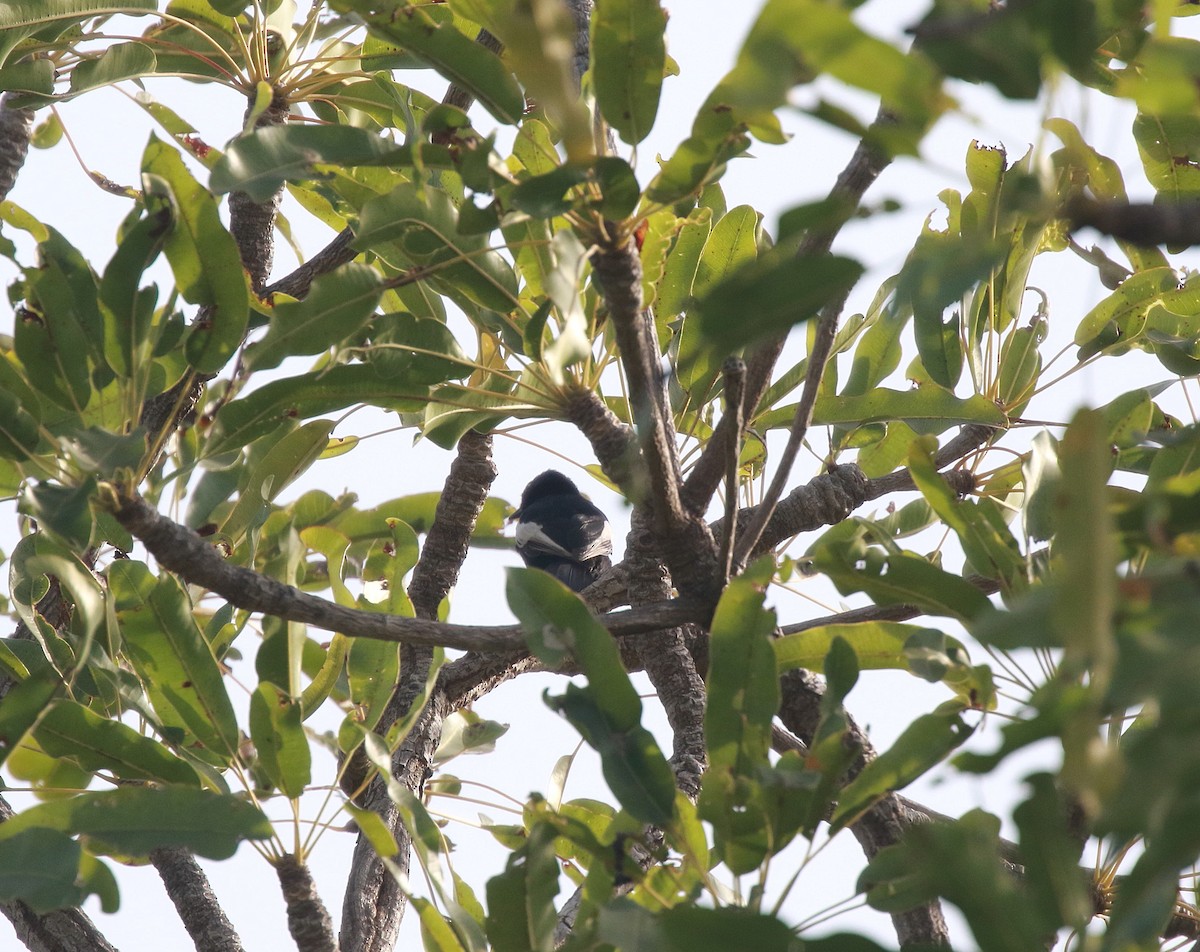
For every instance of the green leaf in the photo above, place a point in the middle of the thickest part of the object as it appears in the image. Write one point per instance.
(770, 296)
(1170, 149)
(926, 407)
(336, 306)
(415, 225)
(260, 162)
(129, 327)
(743, 683)
(980, 526)
(607, 712)
(628, 56)
(545, 196)
(68, 729)
(241, 422)
(39, 867)
(920, 747)
(287, 459)
(679, 272)
(118, 62)
(175, 663)
(24, 703)
(521, 899)
(204, 259)
(279, 739)
(136, 820)
(456, 57)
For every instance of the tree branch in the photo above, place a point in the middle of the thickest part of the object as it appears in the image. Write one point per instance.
(60, 930)
(734, 370)
(335, 254)
(181, 551)
(374, 903)
(865, 165)
(16, 126)
(308, 919)
(1175, 224)
(194, 900)
(252, 223)
(879, 827)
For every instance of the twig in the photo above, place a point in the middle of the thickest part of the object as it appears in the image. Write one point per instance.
(734, 371)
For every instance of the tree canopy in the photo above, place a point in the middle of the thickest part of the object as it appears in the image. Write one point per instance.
(203, 655)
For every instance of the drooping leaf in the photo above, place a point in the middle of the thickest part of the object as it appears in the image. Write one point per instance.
(336, 306)
(135, 820)
(175, 663)
(628, 56)
(204, 259)
(607, 712)
(68, 729)
(279, 739)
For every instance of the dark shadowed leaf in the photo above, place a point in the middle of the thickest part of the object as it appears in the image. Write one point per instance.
(175, 663)
(68, 729)
(136, 820)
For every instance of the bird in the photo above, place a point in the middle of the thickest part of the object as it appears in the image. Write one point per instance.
(560, 531)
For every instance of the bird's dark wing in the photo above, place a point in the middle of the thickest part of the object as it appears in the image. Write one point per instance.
(567, 531)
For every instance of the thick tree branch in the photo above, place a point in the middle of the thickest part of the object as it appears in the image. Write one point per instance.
(16, 126)
(197, 905)
(879, 827)
(374, 904)
(252, 223)
(734, 371)
(181, 551)
(335, 254)
(1175, 224)
(308, 919)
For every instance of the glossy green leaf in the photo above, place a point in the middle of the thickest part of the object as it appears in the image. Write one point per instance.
(628, 56)
(279, 739)
(175, 663)
(336, 306)
(242, 421)
(204, 259)
(683, 261)
(68, 729)
(1020, 365)
(607, 712)
(546, 196)
(920, 747)
(456, 57)
(135, 820)
(259, 163)
(118, 62)
(770, 296)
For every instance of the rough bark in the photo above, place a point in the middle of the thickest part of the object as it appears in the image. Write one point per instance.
(16, 126)
(374, 903)
(252, 223)
(197, 904)
(308, 919)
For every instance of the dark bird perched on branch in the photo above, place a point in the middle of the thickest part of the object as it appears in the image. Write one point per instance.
(559, 531)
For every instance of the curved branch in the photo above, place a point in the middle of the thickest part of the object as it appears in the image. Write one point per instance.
(181, 551)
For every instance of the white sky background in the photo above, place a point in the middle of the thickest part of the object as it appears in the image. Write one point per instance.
(704, 35)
